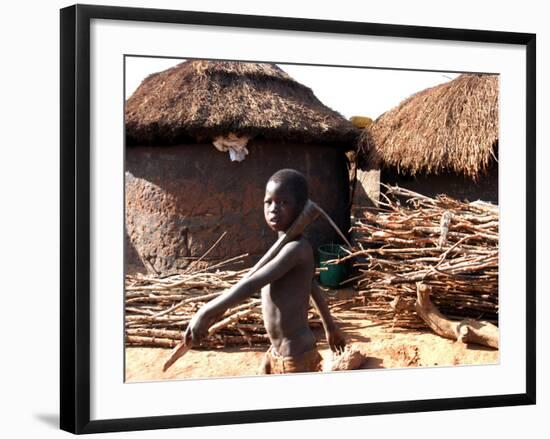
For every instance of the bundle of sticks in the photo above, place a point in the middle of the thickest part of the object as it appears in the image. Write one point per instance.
(447, 244)
(158, 309)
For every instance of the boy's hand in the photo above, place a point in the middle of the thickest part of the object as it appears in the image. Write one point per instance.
(197, 328)
(336, 340)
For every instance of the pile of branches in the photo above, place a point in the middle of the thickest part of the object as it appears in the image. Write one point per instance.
(158, 309)
(447, 244)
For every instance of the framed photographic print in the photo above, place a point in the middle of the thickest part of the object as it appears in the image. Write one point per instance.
(317, 213)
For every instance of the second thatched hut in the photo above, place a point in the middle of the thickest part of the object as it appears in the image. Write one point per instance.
(203, 138)
(441, 140)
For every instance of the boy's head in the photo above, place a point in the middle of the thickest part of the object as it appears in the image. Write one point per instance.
(286, 194)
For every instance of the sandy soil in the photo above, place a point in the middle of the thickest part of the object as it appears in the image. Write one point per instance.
(383, 347)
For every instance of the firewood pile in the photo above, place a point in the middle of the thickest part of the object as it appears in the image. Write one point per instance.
(447, 244)
(158, 309)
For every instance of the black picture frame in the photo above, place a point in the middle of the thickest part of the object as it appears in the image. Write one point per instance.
(75, 217)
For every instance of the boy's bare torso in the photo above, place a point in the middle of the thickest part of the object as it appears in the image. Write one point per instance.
(285, 304)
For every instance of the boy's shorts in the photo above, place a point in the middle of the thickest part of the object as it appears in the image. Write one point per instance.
(273, 363)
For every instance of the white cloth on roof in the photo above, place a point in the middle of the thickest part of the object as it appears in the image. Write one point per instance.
(235, 144)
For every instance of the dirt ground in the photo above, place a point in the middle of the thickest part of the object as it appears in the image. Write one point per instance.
(383, 348)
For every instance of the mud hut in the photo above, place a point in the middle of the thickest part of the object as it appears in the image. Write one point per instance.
(441, 140)
(202, 138)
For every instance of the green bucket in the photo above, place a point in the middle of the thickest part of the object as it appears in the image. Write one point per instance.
(332, 274)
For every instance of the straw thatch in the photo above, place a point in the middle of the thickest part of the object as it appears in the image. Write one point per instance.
(199, 100)
(449, 128)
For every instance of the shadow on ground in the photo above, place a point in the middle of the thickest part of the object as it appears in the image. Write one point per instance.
(373, 363)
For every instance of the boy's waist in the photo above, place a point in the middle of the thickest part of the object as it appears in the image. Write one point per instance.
(313, 352)
(294, 345)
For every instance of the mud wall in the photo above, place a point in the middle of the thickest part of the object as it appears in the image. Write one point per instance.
(456, 186)
(180, 199)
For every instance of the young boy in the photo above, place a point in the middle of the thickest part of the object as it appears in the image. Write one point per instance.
(286, 283)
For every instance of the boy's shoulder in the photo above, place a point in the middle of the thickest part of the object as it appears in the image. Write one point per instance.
(300, 247)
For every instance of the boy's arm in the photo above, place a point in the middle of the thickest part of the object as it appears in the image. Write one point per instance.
(335, 337)
(287, 258)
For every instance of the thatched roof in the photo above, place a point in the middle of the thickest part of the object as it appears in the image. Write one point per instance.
(449, 128)
(199, 100)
